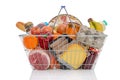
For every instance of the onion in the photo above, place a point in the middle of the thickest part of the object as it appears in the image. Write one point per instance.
(61, 28)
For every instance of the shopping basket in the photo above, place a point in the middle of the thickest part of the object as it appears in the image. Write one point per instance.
(67, 51)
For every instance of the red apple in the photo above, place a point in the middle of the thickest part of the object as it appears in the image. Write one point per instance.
(46, 29)
(35, 30)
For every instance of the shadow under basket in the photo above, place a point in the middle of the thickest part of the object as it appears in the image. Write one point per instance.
(45, 52)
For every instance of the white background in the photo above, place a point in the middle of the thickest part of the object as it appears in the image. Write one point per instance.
(13, 61)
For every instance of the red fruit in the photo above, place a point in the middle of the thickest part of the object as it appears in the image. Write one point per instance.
(47, 29)
(35, 30)
(39, 59)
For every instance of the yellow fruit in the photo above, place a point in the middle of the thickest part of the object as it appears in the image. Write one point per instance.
(90, 23)
(74, 56)
(98, 26)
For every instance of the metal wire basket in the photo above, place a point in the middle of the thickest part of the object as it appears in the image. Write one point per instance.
(63, 52)
(44, 52)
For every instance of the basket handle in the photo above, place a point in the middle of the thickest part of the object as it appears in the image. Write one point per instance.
(64, 7)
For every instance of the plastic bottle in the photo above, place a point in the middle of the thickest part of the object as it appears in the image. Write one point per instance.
(104, 24)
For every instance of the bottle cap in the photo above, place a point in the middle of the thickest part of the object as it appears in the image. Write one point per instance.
(105, 23)
(46, 23)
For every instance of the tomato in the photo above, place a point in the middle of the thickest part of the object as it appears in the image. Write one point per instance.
(35, 30)
(46, 29)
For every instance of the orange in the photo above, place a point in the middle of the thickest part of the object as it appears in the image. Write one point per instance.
(30, 42)
(55, 34)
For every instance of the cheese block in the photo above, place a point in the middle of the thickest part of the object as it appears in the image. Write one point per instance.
(74, 56)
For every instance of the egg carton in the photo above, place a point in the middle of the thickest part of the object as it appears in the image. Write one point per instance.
(91, 37)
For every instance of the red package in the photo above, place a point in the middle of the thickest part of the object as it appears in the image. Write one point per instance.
(90, 59)
(45, 39)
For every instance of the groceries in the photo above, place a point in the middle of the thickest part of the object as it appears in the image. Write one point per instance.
(39, 59)
(62, 44)
(46, 29)
(24, 26)
(20, 25)
(90, 60)
(28, 26)
(45, 39)
(73, 56)
(30, 42)
(99, 26)
(54, 64)
(55, 34)
(61, 28)
(35, 30)
(91, 37)
(72, 29)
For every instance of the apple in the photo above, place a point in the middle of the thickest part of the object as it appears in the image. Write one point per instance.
(35, 30)
(46, 29)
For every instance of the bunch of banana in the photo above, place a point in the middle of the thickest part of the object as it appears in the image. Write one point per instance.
(97, 25)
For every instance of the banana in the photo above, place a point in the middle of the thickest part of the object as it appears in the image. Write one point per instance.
(90, 23)
(99, 26)
(96, 25)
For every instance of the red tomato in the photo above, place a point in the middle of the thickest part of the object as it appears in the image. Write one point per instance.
(47, 29)
(35, 30)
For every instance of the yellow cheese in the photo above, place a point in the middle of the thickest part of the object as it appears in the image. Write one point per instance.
(74, 56)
